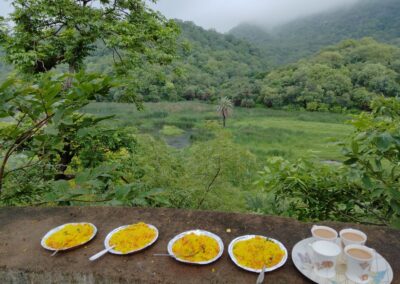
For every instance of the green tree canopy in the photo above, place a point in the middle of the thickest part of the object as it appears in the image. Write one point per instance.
(45, 33)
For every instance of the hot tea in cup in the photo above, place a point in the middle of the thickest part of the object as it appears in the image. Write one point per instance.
(358, 260)
(324, 257)
(324, 233)
(352, 237)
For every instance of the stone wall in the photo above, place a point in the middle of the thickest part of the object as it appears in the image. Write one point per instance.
(23, 260)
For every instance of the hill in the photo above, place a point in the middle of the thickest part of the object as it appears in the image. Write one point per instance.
(214, 64)
(347, 75)
(379, 19)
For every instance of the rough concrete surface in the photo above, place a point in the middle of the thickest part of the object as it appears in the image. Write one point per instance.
(23, 260)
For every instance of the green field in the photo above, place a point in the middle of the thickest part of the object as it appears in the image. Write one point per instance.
(264, 132)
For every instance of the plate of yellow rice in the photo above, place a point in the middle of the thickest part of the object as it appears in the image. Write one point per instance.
(68, 236)
(252, 252)
(131, 238)
(196, 247)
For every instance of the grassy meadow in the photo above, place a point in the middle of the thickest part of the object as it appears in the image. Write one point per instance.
(264, 132)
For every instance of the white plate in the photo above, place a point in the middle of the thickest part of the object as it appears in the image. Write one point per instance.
(110, 234)
(52, 231)
(248, 237)
(382, 273)
(199, 233)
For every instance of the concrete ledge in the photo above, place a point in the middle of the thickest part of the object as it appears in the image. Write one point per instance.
(23, 260)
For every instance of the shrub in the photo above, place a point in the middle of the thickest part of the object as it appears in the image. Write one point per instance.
(169, 130)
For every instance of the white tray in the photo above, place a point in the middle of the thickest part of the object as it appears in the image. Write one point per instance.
(110, 234)
(199, 233)
(382, 273)
(247, 237)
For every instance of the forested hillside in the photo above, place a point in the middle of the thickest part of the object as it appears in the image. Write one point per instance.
(379, 19)
(208, 64)
(347, 75)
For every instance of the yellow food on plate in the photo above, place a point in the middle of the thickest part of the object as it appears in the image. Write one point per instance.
(196, 248)
(132, 238)
(257, 252)
(71, 235)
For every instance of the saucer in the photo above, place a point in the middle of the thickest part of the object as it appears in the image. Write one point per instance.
(381, 272)
(357, 281)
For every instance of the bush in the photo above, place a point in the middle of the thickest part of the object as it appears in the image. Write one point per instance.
(312, 106)
(311, 191)
(364, 189)
(248, 103)
(169, 130)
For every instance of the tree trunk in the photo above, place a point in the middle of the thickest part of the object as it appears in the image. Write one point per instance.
(66, 154)
(224, 120)
(68, 81)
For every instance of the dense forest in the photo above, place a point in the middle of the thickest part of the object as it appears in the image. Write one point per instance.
(208, 64)
(244, 64)
(348, 75)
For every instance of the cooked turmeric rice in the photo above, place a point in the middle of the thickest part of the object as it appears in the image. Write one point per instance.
(257, 252)
(196, 248)
(70, 236)
(132, 238)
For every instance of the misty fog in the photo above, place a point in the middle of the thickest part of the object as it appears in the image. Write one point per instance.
(223, 15)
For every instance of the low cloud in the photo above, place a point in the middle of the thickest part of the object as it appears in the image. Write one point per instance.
(223, 15)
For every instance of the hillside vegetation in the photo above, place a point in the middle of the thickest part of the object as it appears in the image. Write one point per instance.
(243, 65)
(344, 76)
(347, 75)
(208, 64)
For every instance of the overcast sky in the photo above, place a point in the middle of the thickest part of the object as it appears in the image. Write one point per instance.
(223, 15)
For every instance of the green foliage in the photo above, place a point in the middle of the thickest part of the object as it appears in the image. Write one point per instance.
(374, 155)
(364, 189)
(216, 167)
(345, 76)
(170, 130)
(311, 191)
(48, 33)
(43, 35)
(209, 65)
(39, 112)
(264, 132)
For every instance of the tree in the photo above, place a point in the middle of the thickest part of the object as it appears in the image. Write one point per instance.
(224, 108)
(45, 34)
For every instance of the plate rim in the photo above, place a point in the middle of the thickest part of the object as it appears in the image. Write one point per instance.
(111, 233)
(60, 227)
(307, 240)
(198, 232)
(248, 237)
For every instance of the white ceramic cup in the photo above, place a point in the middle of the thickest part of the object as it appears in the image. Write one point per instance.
(321, 238)
(358, 269)
(324, 257)
(346, 241)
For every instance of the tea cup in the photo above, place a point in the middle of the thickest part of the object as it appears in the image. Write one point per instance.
(324, 258)
(352, 237)
(358, 259)
(324, 233)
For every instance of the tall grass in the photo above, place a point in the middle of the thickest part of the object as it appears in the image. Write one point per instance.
(265, 132)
